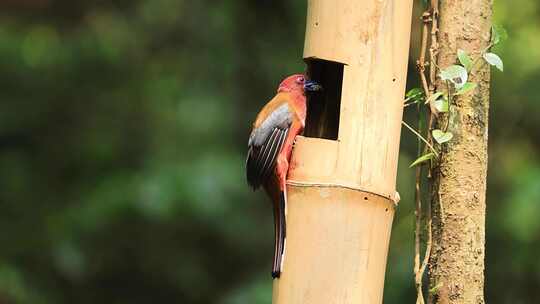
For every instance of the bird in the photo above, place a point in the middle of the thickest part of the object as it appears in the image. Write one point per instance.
(269, 150)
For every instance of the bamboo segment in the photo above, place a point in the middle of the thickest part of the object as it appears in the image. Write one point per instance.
(337, 242)
(371, 37)
(341, 193)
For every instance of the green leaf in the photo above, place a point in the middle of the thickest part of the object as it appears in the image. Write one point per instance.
(422, 159)
(435, 288)
(495, 60)
(441, 137)
(456, 74)
(441, 105)
(464, 59)
(434, 97)
(415, 94)
(466, 88)
(498, 34)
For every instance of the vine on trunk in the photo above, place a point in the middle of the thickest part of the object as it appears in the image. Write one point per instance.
(430, 105)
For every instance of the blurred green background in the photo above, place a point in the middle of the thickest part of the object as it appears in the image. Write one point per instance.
(123, 129)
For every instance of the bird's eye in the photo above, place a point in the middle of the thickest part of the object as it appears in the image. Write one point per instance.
(300, 79)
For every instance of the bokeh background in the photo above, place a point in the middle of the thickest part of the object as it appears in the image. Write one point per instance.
(123, 128)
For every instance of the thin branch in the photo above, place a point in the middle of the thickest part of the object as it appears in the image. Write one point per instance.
(428, 17)
(418, 219)
(422, 138)
(410, 104)
(434, 51)
(434, 48)
(421, 65)
(479, 58)
(421, 62)
(429, 241)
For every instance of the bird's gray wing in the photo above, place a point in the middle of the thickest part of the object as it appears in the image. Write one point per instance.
(264, 145)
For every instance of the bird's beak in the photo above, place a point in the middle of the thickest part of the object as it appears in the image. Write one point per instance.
(311, 86)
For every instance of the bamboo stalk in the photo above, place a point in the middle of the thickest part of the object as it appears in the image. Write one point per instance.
(341, 193)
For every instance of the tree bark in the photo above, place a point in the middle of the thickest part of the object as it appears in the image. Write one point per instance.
(456, 267)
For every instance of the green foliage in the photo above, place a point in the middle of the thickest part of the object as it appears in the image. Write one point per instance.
(434, 97)
(495, 60)
(498, 34)
(433, 290)
(456, 74)
(422, 159)
(468, 86)
(414, 95)
(122, 149)
(465, 60)
(441, 137)
(441, 105)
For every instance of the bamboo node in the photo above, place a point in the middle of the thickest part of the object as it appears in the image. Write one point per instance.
(395, 198)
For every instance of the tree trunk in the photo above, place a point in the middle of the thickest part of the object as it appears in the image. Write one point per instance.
(456, 267)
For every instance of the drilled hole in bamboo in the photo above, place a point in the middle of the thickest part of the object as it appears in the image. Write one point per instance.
(323, 106)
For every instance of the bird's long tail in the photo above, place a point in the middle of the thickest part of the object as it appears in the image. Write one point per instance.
(279, 234)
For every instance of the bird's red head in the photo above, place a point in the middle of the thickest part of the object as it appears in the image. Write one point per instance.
(297, 83)
(293, 83)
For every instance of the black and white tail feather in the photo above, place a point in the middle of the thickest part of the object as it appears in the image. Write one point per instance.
(265, 144)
